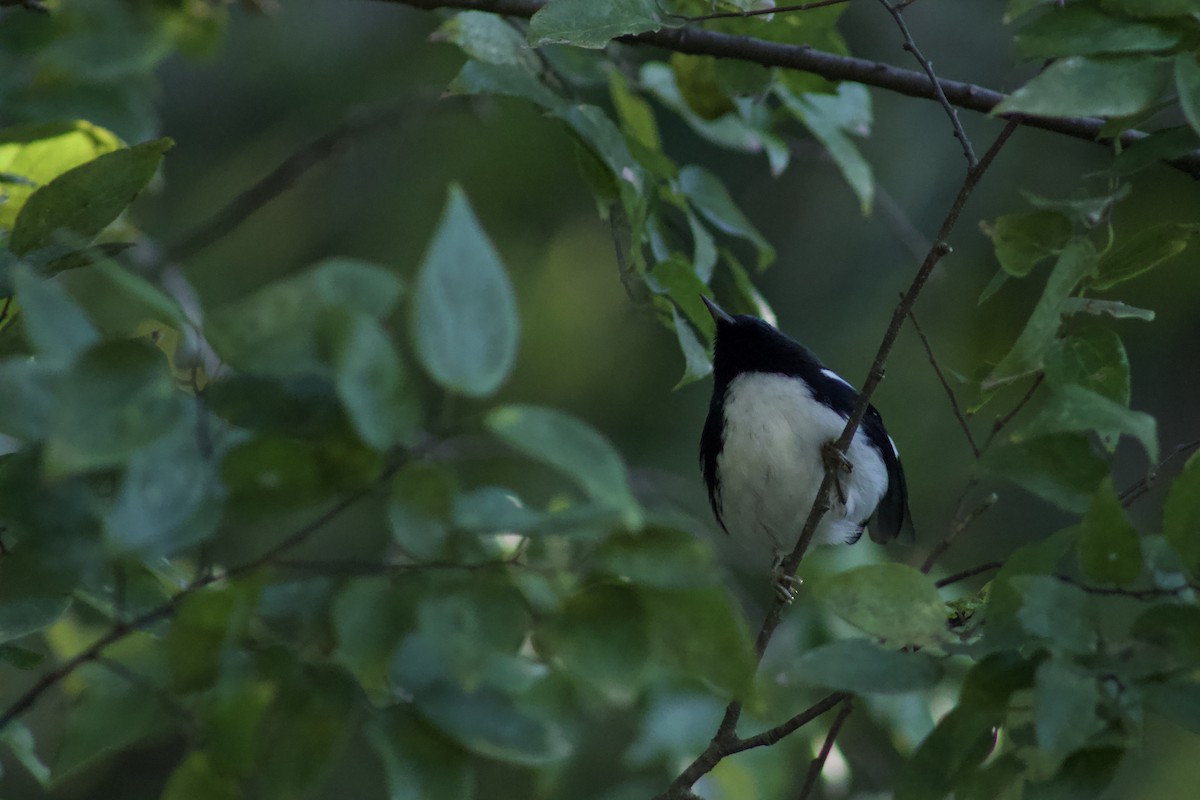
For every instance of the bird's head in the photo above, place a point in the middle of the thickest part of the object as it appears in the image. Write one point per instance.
(746, 343)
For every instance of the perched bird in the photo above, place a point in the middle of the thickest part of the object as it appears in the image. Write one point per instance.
(775, 412)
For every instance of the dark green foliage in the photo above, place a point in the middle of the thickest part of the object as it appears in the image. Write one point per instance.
(312, 535)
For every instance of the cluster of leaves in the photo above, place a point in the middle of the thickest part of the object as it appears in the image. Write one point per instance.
(290, 558)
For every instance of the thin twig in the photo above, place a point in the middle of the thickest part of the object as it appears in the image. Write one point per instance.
(698, 41)
(818, 763)
(937, 368)
(911, 46)
(1140, 594)
(1002, 422)
(950, 580)
(760, 12)
(727, 744)
(122, 629)
(963, 522)
(280, 179)
(1135, 492)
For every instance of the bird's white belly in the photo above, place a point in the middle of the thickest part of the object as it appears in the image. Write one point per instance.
(770, 465)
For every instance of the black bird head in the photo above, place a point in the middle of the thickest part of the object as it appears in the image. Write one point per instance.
(749, 344)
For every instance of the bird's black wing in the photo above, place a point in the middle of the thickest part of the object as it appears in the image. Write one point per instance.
(891, 517)
(710, 447)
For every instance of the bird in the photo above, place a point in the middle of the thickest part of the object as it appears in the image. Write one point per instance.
(775, 414)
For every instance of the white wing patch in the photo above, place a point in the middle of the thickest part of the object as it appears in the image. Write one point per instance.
(828, 373)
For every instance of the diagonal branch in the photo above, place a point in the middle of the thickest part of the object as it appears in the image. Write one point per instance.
(818, 763)
(761, 12)
(835, 67)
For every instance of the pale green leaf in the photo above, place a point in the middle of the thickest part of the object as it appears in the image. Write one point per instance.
(1077, 261)
(1181, 514)
(892, 602)
(1143, 251)
(491, 725)
(585, 23)
(1082, 86)
(1109, 548)
(858, 665)
(39, 152)
(1092, 357)
(1108, 308)
(1075, 409)
(1065, 702)
(708, 195)
(1060, 468)
(1080, 30)
(464, 316)
(85, 199)
(571, 447)
(1025, 239)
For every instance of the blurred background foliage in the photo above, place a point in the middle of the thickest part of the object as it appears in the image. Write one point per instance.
(240, 89)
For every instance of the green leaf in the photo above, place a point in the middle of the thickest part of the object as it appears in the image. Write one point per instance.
(418, 762)
(493, 509)
(1178, 702)
(305, 407)
(20, 742)
(39, 152)
(1078, 30)
(513, 80)
(26, 396)
(83, 200)
(1023, 240)
(197, 778)
(1174, 628)
(21, 616)
(204, 625)
(111, 714)
(21, 657)
(1161, 145)
(1092, 357)
(486, 37)
(1107, 308)
(303, 732)
(1056, 611)
(276, 330)
(634, 113)
(1077, 261)
(695, 357)
(1153, 9)
(676, 277)
(825, 117)
(860, 666)
(964, 738)
(491, 725)
(601, 638)
(169, 498)
(420, 504)
(571, 447)
(117, 398)
(1109, 548)
(1065, 701)
(465, 622)
(370, 380)
(1142, 252)
(584, 23)
(55, 326)
(656, 556)
(1002, 628)
(1083, 776)
(1080, 86)
(893, 602)
(701, 634)
(1181, 514)
(1060, 468)
(711, 200)
(369, 616)
(464, 314)
(272, 472)
(1074, 409)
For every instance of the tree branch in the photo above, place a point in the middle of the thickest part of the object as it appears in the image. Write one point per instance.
(908, 82)
(937, 368)
(760, 12)
(818, 763)
(122, 629)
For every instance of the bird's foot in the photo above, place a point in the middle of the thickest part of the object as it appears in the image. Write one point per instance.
(786, 586)
(837, 463)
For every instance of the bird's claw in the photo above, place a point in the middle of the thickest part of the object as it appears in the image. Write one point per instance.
(837, 463)
(786, 586)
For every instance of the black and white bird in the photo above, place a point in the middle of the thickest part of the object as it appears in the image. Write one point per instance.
(775, 410)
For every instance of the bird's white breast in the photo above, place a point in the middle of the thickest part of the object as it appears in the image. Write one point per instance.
(770, 464)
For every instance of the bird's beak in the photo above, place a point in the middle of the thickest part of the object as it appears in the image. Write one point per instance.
(718, 314)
